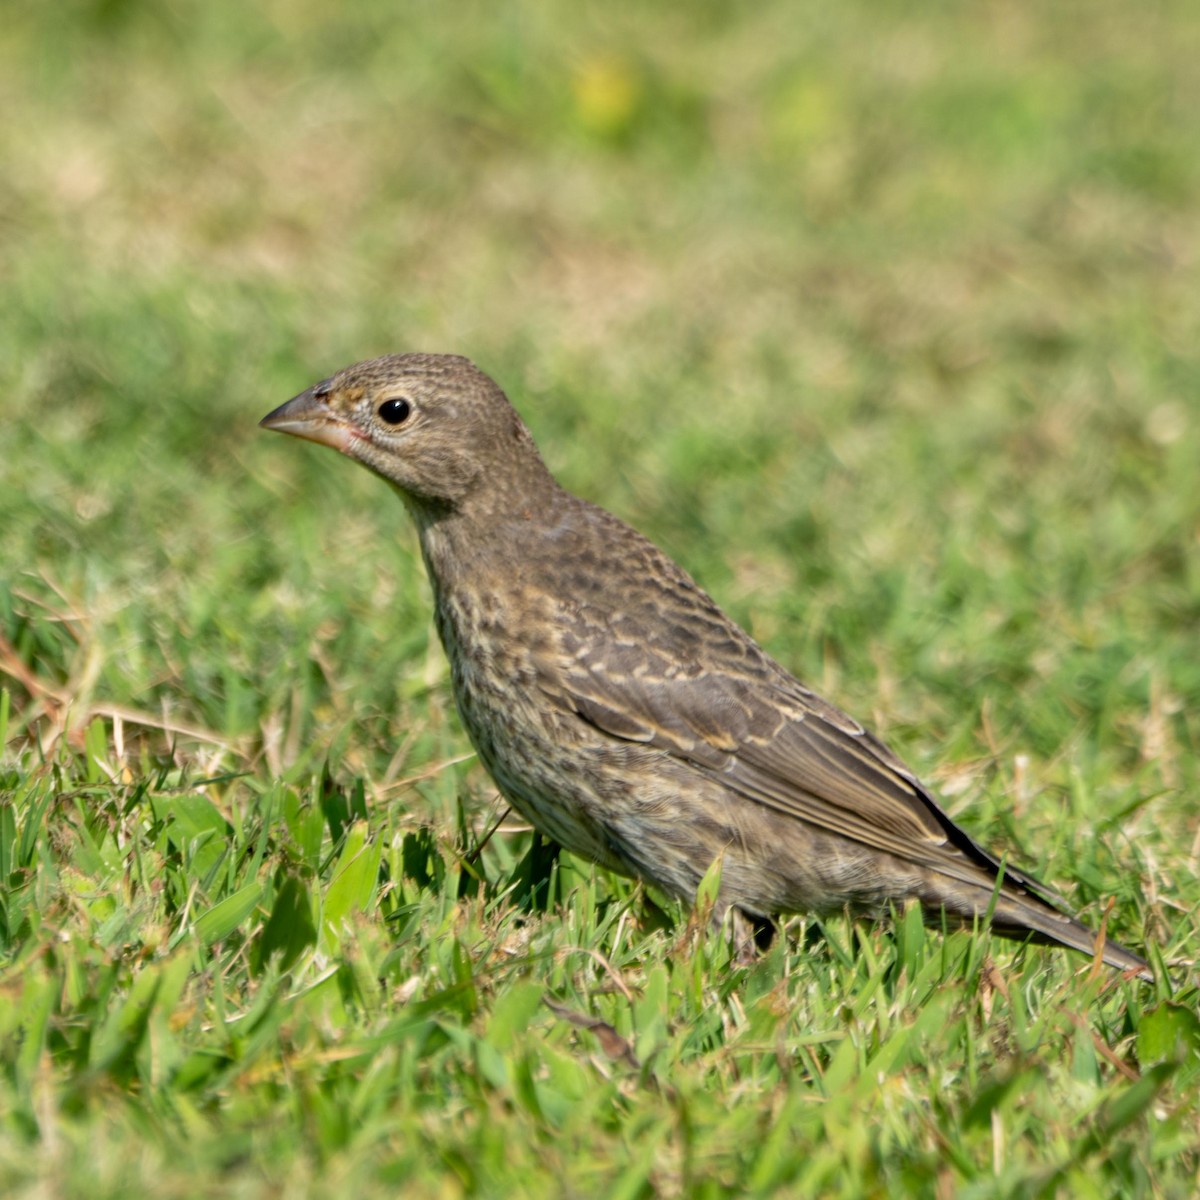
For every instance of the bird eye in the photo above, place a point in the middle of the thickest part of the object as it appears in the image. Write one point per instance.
(395, 412)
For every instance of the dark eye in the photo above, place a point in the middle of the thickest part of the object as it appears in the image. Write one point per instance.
(395, 412)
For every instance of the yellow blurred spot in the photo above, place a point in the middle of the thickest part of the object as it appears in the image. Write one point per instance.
(806, 111)
(607, 95)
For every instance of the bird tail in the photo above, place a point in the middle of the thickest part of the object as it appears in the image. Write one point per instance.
(1025, 914)
(1019, 912)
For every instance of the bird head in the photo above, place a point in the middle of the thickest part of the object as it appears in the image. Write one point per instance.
(433, 425)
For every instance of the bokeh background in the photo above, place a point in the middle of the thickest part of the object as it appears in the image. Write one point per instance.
(857, 312)
(881, 318)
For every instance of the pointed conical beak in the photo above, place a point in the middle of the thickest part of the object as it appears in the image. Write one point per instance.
(308, 416)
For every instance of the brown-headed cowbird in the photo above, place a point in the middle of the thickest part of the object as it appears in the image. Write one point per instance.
(620, 710)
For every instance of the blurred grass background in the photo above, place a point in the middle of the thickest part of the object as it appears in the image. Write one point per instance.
(882, 320)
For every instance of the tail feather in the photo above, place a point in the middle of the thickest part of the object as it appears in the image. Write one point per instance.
(1018, 911)
(1023, 914)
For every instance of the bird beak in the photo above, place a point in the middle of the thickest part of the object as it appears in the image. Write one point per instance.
(308, 416)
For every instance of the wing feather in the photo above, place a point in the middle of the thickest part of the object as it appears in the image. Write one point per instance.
(772, 741)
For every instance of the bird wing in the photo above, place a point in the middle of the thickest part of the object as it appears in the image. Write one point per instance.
(768, 738)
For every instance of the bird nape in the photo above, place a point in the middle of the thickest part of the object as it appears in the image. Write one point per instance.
(621, 711)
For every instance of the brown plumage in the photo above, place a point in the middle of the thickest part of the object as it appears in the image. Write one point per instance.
(619, 709)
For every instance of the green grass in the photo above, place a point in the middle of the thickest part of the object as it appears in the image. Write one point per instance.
(882, 320)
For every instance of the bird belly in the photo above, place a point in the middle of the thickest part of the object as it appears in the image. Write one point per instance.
(642, 813)
(635, 808)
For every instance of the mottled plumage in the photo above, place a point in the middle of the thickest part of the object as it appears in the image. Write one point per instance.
(618, 708)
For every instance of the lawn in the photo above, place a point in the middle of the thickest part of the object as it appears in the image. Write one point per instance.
(883, 320)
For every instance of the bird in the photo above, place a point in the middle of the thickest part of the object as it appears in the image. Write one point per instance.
(622, 713)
